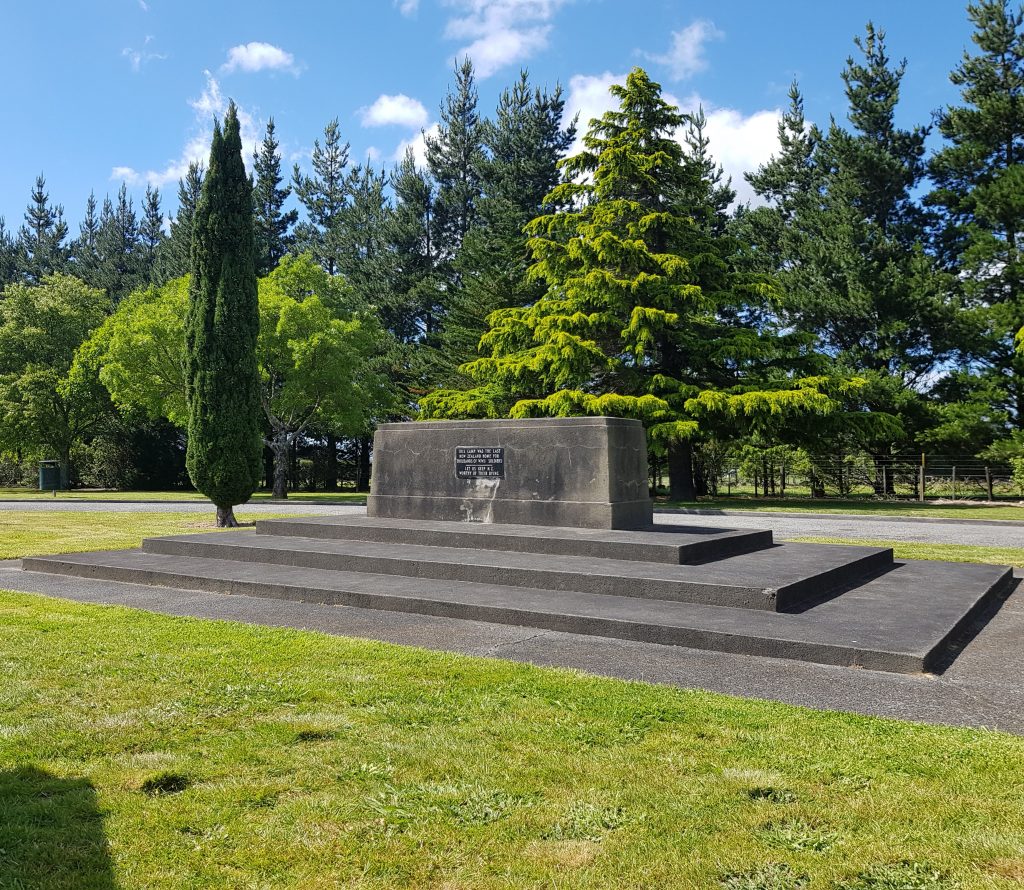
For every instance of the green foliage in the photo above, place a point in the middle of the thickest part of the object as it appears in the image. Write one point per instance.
(225, 455)
(323, 197)
(41, 250)
(979, 178)
(645, 313)
(139, 352)
(1018, 473)
(273, 222)
(46, 402)
(175, 256)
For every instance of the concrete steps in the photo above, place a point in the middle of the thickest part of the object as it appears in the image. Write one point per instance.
(672, 544)
(687, 586)
(901, 621)
(777, 579)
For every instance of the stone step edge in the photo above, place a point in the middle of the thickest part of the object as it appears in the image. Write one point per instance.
(794, 596)
(731, 542)
(845, 655)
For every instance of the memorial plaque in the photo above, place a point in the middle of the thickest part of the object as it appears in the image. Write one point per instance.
(479, 462)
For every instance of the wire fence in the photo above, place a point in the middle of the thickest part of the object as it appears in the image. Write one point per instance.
(921, 477)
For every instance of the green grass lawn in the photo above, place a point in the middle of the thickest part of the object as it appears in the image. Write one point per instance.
(31, 494)
(145, 751)
(1003, 556)
(39, 532)
(865, 506)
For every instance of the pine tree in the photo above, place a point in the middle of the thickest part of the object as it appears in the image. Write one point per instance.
(624, 328)
(41, 240)
(85, 250)
(225, 450)
(151, 235)
(174, 259)
(323, 197)
(979, 177)
(454, 159)
(120, 268)
(360, 236)
(273, 223)
(523, 147)
(413, 314)
(8, 256)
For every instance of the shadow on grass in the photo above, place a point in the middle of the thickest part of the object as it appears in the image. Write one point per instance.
(51, 833)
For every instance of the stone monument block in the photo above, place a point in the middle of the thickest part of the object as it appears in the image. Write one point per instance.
(583, 472)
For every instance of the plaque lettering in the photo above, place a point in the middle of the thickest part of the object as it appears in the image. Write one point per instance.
(479, 462)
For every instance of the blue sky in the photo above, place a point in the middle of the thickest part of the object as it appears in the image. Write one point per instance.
(109, 90)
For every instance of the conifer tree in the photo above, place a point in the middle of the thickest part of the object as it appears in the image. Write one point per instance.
(120, 267)
(151, 235)
(8, 256)
(979, 177)
(523, 146)
(225, 452)
(413, 314)
(41, 246)
(323, 197)
(454, 159)
(273, 222)
(85, 250)
(175, 256)
(624, 328)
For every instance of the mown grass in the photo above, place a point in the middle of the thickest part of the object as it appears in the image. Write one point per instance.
(139, 750)
(1003, 556)
(31, 494)
(41, 532)
(865, 506)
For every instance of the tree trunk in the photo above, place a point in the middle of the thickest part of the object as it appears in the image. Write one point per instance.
(363, 465)
(331, 471)
(268, 466)
(282, 454)
(680, 472)
(226, 517)
(65, 469)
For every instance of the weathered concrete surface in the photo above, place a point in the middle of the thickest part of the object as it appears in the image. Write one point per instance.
(672, 544)
(902, 620)
(983, 688)
(583, 472)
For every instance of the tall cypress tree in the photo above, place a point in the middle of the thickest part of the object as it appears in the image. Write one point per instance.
(273, 223)
(225, 446)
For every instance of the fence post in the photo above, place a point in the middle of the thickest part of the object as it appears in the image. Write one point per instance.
(988, 482)
(920, 483)
(954, 483)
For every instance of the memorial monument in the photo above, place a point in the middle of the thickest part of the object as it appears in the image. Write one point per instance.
(577, 472)
(547, 524)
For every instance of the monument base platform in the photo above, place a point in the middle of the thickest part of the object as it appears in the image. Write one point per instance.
(733, 591)
(582, 472)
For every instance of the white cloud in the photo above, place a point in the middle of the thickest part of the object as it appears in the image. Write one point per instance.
(211, 103)
(418, 144)
(143, 5)
(139, 57)
(407, 7)
(739, 142)
(500, 32)
(686, 55)
(401, 110)
(373, 154)
(258, 56)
